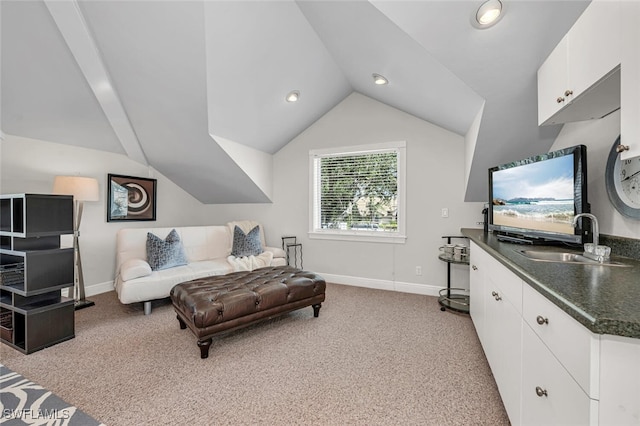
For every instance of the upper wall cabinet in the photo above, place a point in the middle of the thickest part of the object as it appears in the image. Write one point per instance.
(580, 80)
(594, 70)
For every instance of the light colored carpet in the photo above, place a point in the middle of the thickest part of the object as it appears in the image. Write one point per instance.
(372, 357)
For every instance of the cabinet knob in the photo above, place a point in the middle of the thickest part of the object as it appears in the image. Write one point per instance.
(494, 294)
(474, 267)
(568, 92)
(542, 320)
(541, 392)
(560, 100)
(622, 148)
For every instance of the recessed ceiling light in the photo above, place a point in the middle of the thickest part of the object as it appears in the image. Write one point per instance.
(293, 96)
(380, 79)
(489, 12)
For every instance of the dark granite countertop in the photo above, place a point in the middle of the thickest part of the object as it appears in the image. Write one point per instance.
(605, 299)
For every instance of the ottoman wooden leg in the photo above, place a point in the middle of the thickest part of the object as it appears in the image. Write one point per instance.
(204, 348)
(182, 323)
(316, 309)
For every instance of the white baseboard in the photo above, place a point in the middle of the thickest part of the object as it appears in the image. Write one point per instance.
(424, 289)
(99, 288)
(93, 289)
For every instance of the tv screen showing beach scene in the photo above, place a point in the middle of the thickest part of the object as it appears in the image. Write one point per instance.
(537, 196)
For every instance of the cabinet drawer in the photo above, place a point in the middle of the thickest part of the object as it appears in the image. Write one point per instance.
(550, 396)
(500, 279)
(574, 346)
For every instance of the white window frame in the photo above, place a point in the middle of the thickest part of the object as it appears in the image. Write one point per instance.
(315, 232)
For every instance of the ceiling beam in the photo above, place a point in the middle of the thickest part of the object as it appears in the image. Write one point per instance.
(72, 26)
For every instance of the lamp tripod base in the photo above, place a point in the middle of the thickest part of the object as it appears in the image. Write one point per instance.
(81, 304)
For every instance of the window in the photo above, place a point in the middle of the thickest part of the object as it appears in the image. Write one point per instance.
(357, 193)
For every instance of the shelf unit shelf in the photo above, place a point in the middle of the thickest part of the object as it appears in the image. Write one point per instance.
(34, 269)
(455, 299)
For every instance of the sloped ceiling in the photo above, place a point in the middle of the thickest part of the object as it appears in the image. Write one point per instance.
(174, 84)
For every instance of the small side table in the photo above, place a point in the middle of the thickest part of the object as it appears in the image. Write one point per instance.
(291, 244)
(456, 299)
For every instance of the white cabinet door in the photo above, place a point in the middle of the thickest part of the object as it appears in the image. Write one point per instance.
(503, 332)
(620, 381)
(630, 82)
(594, 45)
(550, 396)
(553, 81)
(496, 301)
(476, 290)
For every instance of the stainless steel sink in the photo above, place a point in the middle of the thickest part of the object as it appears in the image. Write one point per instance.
(563, 257)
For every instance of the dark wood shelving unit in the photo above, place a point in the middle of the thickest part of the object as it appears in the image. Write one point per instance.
(34, 269)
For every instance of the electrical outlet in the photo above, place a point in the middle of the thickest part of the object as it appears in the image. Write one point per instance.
(418, 270)
(445, 212)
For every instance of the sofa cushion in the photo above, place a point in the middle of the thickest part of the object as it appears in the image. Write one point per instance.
(248, 244)
(158, 284)
(167, 253)
(134, 268)
(246, 226)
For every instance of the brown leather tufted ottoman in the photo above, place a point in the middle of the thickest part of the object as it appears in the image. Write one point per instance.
(226, 302)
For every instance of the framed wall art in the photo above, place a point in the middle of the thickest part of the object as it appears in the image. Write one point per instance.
(130, 198)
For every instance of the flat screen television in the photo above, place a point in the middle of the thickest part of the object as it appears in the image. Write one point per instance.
(534, 200)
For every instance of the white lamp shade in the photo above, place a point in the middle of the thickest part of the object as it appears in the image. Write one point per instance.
(82, 188)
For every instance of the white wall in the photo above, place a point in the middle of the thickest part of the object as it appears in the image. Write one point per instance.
(435, 179)
(29, 166)
(599, 136)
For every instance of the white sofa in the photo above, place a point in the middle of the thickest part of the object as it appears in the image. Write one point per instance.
(207, 248)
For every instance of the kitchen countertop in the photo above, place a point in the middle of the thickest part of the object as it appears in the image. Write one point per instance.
(605, 299)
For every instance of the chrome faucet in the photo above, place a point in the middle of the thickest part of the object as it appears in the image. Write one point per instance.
(593, 250)
(594, 221)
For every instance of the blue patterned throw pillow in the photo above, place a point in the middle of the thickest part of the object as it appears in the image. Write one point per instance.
(167, 253)
(246, 244)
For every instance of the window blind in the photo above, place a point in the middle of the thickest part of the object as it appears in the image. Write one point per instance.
(357, 191)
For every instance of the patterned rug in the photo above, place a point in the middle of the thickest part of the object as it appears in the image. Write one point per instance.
(25, 403)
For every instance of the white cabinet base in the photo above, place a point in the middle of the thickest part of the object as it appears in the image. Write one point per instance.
(533, 347)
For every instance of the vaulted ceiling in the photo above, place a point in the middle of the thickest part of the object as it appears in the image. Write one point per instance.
(193, 88)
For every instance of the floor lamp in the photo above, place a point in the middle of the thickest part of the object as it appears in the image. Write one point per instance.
(83, 189)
